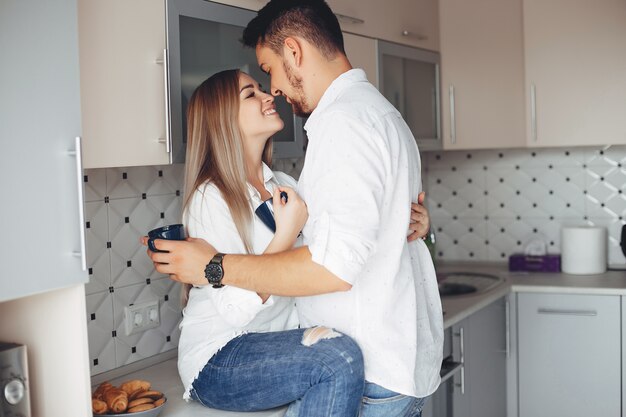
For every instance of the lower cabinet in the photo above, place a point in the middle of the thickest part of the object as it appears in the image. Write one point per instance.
(477, 388)
(569, 355)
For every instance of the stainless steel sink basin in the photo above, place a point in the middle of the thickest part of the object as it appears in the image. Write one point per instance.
(461, 283)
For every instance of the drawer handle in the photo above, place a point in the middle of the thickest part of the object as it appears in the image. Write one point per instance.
(417, 36)
(587, 313)
(533, 111)
(78, 154)
(452, 116)
(167, 140)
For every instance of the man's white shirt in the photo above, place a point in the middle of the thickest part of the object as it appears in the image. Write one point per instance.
(361, 173)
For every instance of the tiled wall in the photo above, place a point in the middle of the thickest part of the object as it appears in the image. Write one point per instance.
(488, 204)
(122, 204)
(485, 205)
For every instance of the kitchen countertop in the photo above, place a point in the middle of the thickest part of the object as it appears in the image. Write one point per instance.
(164, 376)
(457, 308)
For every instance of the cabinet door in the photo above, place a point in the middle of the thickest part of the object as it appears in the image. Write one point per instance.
(481, 343)
(575, 72)
(39, 121)
(361, 52)
(482, 74)
(409, 78)
(122, 77)
(409, 22)
(569, 355)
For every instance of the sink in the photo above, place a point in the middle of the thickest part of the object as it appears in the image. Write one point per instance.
(461, 283)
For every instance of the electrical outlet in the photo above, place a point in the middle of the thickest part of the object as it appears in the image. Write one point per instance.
(141, 317)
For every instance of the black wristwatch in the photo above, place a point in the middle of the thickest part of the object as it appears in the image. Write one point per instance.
(214, 271)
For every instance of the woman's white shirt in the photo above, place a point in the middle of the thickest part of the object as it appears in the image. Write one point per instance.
(213, 316)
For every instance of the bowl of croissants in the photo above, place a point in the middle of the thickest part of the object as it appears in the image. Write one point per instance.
(135, 397)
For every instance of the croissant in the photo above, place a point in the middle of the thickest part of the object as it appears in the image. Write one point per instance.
(99, 407)
(135, 384)
(102, 388)
(116, 399)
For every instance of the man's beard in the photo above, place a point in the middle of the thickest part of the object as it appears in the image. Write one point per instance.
(299, 104)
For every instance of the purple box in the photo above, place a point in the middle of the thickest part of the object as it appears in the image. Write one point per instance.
(528, 263)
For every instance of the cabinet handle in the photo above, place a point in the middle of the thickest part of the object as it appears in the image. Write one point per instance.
(166, 77)
(452, 116)
(349, 19)
(78, 154)
(533, 111)
(586, 313)
(417, 36)
(461, 335)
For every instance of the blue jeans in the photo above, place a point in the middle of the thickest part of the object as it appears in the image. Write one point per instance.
(380, 402)
(259, 371)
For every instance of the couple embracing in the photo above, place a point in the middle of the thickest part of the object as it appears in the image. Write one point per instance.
(365, 335)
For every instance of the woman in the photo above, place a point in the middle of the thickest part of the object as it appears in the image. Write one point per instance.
(240, 350)
(228, 359)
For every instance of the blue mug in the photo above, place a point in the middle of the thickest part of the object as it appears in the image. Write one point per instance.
(171, 232)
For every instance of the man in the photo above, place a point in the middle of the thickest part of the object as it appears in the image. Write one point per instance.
(356, 271)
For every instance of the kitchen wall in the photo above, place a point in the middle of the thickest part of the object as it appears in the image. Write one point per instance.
(485, 205)
(121, 205)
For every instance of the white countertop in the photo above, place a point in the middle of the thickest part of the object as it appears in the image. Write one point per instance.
(164, 376)
(457, 308)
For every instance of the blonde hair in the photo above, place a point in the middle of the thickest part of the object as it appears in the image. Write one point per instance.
(215, 151)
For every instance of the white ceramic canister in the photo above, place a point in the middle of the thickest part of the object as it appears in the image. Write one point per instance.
(583, 250)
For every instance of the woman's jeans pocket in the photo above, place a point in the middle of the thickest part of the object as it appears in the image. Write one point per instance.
(381, 402)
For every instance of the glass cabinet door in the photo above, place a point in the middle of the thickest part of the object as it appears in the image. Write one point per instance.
(409, 79)
(203, 39)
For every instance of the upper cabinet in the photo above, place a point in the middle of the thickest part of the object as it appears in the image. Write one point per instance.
(575, 56)
(409, 22)
(361, 52)
(140, 63)
(123, 82)
(43, 245)
(409, 78)
(482, 74)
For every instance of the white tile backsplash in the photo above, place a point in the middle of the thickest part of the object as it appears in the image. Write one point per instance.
(528, 194)
(123, 204)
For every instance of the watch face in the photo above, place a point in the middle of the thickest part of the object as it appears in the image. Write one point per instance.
(214, 273)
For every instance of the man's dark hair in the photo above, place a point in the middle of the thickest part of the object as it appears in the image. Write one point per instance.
(311, 20)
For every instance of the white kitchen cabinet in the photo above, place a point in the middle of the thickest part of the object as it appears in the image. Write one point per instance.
(39, 124)
(409, 22)
(569, 355)
(122, 82)
(480, 342)
(482, 74)
(361, 52)
(575, 72)
(478, 389)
